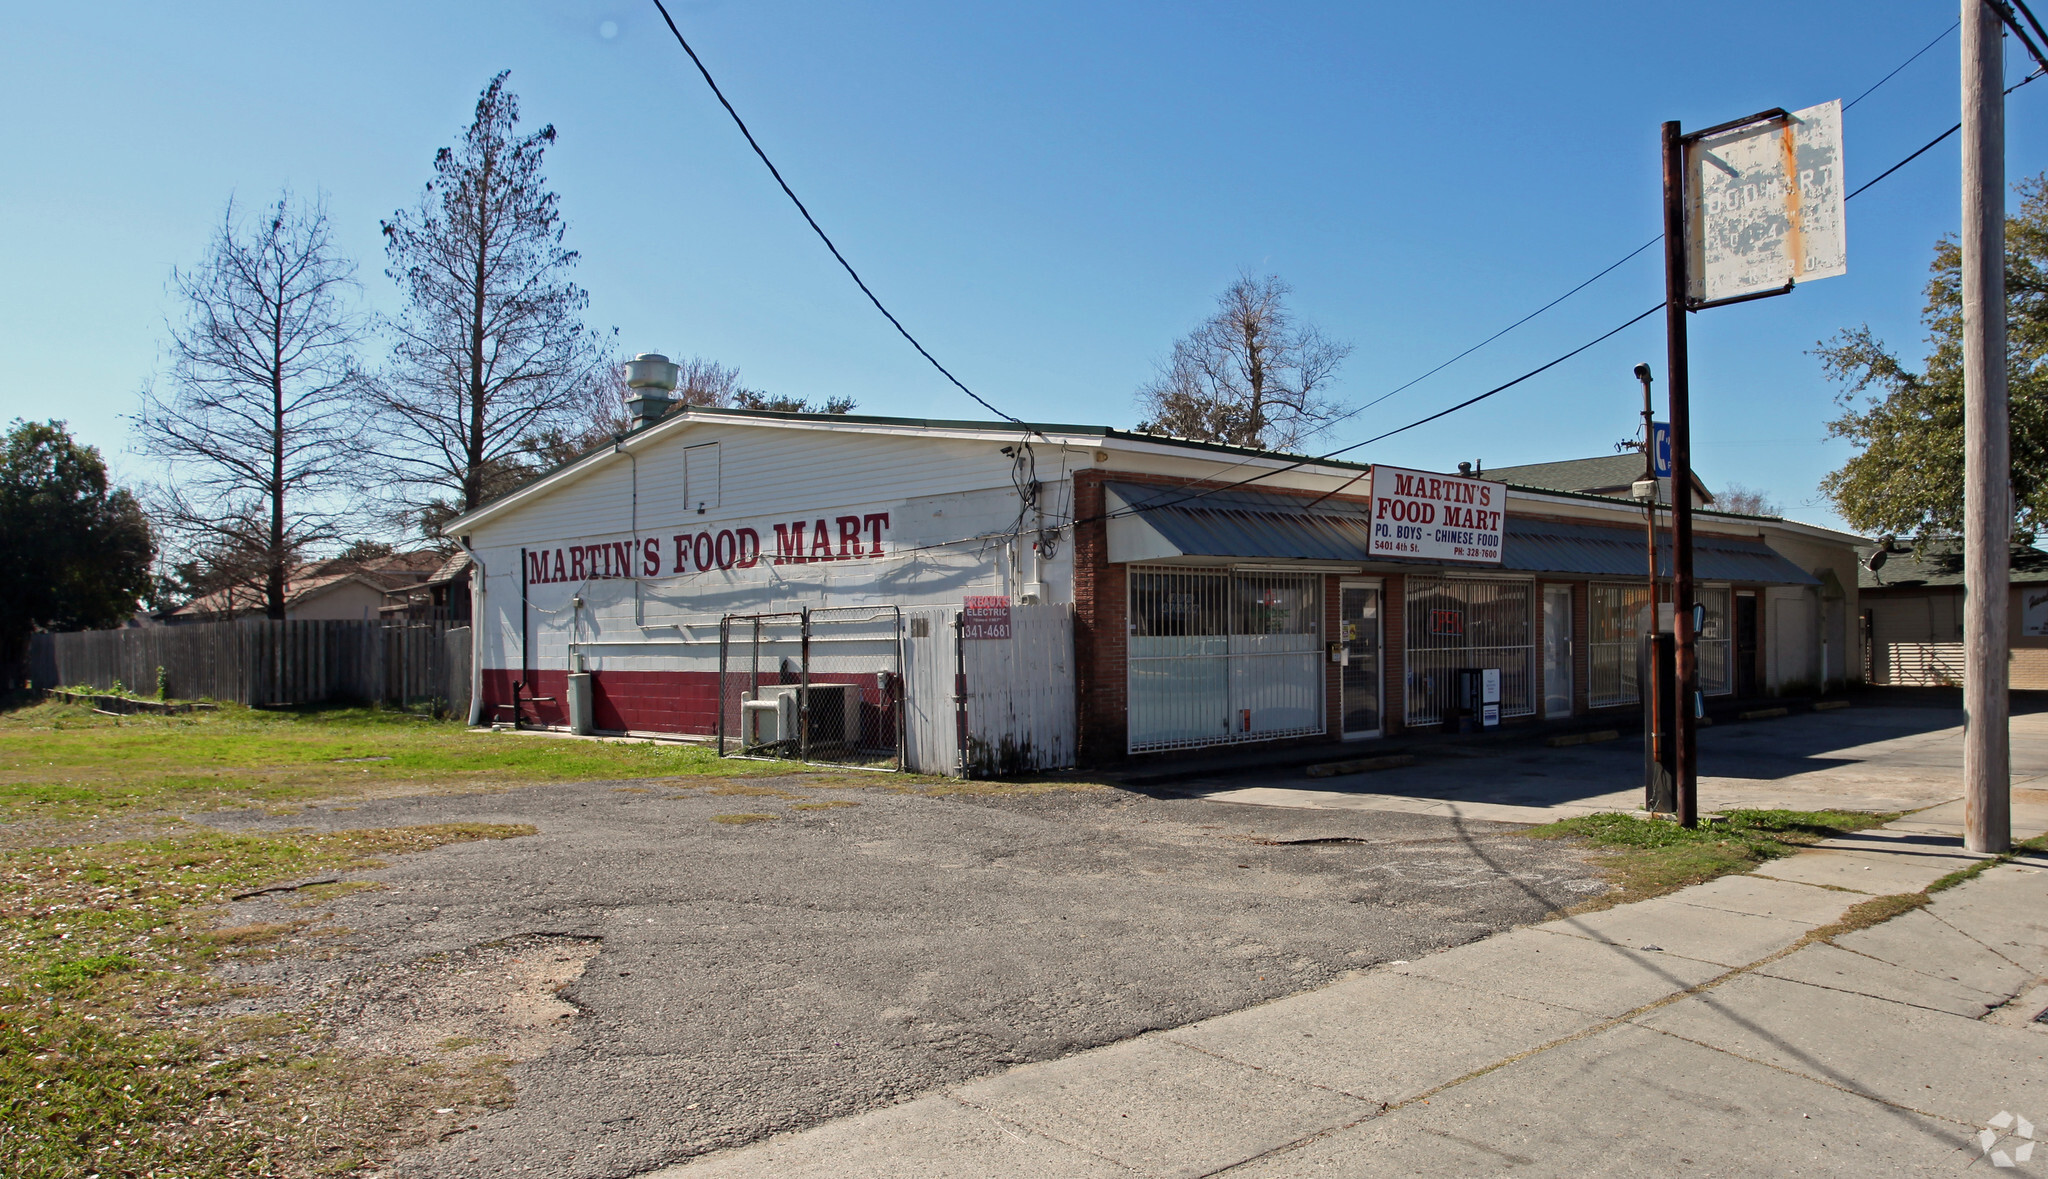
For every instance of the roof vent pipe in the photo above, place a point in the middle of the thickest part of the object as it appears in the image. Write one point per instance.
(650, 378)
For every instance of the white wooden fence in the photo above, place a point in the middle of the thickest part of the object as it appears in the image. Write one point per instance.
(987, 707)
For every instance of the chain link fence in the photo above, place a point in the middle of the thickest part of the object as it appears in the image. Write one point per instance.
(823, 686)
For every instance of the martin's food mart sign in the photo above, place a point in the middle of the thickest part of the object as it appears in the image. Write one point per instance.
(1424, 516)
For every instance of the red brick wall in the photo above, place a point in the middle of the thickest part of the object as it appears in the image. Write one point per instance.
(1100, 629)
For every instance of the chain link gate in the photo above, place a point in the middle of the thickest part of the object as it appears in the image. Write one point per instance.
(823, 686)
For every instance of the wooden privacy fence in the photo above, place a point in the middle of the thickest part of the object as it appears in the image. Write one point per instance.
(985, 707)
(260, 662)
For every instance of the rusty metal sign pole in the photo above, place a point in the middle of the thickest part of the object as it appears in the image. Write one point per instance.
(1677, 396)
(1760, 209)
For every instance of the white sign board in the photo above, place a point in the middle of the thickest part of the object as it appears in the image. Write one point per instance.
(2034, 613)
(1429, 517)
(1763, 205)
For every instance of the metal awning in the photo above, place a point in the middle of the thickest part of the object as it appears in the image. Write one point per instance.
(1257, 525)
(1552, 546)
(1240, 524)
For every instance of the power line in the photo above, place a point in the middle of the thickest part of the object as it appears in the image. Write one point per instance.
(984, 403)
(1610, 333)
(1930, 144)
(1616, 265)
(1502, 332)
(1659, 306)
(813, 222)
(1902, 65)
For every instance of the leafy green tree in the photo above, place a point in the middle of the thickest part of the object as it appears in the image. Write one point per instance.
(74, 553)
(1907, 425)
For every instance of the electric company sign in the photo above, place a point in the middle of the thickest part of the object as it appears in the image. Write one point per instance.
(793, 542)
(1429, 517)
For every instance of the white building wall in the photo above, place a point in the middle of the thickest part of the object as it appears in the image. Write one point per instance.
(951, 510)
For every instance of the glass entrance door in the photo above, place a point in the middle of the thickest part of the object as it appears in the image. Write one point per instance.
(1358, 629)
(1557, 650)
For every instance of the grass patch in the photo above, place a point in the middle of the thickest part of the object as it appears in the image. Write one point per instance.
(742, 819)
(1875, 911)
(67, 763)
(831, 804)
(750, 790)
(2037, 843)
(105, 1066)
(1650, 857)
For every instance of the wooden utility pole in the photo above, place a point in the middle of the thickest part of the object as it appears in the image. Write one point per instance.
(1678, 397)
(1987, 445)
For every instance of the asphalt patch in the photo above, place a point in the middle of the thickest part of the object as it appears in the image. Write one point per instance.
(757, 978)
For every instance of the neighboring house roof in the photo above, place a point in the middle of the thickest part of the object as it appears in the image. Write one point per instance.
(1604, 474)
(309, 581)
(1933, 564)
(453, 569)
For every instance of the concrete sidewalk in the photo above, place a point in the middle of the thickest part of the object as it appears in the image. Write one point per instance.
(1694, 1032)
(1868, 757)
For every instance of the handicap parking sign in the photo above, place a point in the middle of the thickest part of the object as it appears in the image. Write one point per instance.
(1660, 449)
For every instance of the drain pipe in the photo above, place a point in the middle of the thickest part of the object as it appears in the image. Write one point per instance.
(476, 648)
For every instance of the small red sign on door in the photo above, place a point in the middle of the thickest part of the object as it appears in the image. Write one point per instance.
(1446, 622)
(986, 617)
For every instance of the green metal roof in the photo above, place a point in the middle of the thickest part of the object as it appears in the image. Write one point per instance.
(1582, 475)
(1939, 563)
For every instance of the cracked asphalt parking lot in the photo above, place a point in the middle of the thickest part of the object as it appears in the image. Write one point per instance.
(757, 977)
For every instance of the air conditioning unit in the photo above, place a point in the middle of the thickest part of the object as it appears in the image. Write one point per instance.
(767, 723)
(770, 723)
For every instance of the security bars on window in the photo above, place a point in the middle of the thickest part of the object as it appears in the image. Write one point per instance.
(1456, 623)
(1217, 657)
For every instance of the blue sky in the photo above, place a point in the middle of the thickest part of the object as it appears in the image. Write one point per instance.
(1046, 194)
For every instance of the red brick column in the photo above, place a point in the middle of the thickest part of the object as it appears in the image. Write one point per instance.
(1101, 630)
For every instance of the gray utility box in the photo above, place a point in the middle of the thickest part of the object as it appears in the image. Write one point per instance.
(580, 703)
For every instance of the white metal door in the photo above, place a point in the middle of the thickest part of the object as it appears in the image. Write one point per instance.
(931, 683)
(1557, 650)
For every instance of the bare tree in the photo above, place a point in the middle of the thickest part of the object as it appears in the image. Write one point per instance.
(491, 352)
(257, 430)
(1249, 375)
(1747, 500)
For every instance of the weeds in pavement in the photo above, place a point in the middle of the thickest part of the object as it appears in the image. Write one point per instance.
(1650, 857)
(2038, 843)
(109, 1068)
